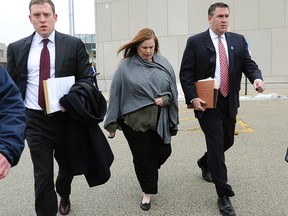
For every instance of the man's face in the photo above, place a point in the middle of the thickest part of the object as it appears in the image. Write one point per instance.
(219, 20)
(43, 19)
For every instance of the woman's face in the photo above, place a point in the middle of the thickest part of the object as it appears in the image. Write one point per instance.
(146, 49)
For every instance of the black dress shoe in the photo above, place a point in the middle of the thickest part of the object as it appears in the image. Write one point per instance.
(145, 206)
(206, 175)
(225, 206)
(64, 206)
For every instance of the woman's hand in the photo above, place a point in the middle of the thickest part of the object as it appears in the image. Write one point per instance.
(111, 135)
(159, 101)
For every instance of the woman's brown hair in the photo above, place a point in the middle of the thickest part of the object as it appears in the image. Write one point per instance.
(144, 34)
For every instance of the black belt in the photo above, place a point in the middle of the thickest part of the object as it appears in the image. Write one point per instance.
(44, 112)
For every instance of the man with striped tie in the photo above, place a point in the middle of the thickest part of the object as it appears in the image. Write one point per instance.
(224, 56)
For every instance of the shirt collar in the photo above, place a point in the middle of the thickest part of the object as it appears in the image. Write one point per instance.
(39, 38)
(215, 36)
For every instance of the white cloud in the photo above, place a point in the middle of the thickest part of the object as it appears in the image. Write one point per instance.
(15, 24)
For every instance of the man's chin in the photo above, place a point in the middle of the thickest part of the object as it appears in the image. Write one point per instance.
(44, 33)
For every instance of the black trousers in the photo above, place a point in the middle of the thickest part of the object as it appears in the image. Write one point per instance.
(149, 153)
(46, 138)
(218, 128)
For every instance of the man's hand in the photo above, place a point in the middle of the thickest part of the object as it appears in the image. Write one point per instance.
(4, 166)
(198, 104)
(259, 85)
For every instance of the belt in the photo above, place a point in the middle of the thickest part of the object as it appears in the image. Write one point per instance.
(43, 112)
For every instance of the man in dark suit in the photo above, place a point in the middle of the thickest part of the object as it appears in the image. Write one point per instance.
(46, 133)
(201, 60)
(94, 73)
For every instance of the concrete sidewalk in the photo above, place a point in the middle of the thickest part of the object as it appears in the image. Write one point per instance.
(256, 170)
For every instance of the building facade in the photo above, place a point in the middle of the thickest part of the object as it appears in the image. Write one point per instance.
(90, 44)
(264, 23)
(3, 56)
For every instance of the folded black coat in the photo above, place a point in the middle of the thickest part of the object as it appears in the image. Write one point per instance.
(88, 151)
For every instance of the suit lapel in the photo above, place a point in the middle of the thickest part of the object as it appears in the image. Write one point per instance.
(208, 42)
(60, 45)
(21, 64)
(212, 53)
(230, 48)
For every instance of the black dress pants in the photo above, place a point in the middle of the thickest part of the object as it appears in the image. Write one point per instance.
(149, 153)
(218, 127)
(46, 139)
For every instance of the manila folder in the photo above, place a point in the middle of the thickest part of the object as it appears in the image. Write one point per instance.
(54, 89)
(207, 90)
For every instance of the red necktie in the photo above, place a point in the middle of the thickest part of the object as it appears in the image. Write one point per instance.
(44, 73)
(224, 69)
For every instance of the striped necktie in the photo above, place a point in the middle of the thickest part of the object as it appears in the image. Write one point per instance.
(224, 69)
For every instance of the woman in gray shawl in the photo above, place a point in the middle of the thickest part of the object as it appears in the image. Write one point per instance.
(143, 104)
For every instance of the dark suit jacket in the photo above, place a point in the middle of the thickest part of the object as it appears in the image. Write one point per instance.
(93, 71)
(199, 62)
(71, 59)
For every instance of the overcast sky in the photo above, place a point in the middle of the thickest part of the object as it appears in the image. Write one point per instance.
(15, 24)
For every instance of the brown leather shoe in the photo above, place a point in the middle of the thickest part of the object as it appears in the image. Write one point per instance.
(64, 206)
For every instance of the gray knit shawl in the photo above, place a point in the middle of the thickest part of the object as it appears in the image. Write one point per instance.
(136, 83)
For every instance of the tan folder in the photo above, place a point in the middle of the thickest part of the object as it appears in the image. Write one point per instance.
(207, 90)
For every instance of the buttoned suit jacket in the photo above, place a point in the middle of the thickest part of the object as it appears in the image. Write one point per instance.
(71, 59)
(199, 62)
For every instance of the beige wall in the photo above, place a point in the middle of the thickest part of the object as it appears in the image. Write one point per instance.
(264, 23)
(3, 58)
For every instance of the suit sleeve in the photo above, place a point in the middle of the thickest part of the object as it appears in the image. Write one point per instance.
(11, 64)
(83, 66)
(250, 68)
(187, 71)
(12, 118)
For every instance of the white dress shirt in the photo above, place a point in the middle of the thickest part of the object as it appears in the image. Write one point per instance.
(33, 66)
(214, 38)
